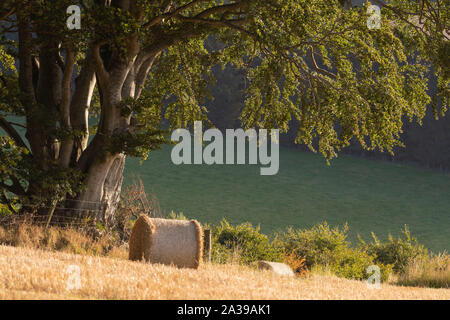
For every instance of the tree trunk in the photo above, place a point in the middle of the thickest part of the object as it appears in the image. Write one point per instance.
(104, 170)
(46, 83)
(103, 186)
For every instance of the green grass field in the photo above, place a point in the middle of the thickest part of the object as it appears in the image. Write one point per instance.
(369, 195)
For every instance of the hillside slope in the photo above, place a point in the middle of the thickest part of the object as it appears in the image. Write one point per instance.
(35, 274)
(369, 195)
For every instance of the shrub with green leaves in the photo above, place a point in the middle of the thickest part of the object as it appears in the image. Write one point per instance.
(328, 248)
(176, 216)
(242, 243)
(353, 263)
(4, 210)
(398, 252)
(320, 245)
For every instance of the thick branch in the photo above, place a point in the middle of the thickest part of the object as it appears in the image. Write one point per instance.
(171, 14)
(9, 129)
(103, 75)
(313, 60)
(222, 9)
(219, 23)
(410, 17)
(142, 75)
(7, 14)
(67, 143)
(79, 108)
(26, 65)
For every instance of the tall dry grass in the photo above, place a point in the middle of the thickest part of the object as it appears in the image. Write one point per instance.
(39, 274)
(433, 272)
(427, 271)
(66, 239)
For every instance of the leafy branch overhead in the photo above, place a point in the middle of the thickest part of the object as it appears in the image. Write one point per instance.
(144, 66)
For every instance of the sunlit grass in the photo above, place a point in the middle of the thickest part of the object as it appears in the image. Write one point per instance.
(431, 272)
(38, 274)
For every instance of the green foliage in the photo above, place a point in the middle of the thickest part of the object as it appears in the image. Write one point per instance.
(310, 61)
(189, 65)
(353, 263)
(6, 61)
(176, 216)
(372, 196)
(11, 157)
(58, 182)
(398, 252)
(136, 143)
(327, 248)
(4, 210)
(242, 243)
(12, 173)
(322, 247)
(319, 245)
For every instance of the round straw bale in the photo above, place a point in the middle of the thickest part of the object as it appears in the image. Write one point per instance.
(141, 239)
(177, 242)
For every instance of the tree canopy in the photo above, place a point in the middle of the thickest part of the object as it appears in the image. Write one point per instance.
(144, 66)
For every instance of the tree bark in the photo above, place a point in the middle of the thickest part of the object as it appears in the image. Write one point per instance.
(51, 104)
(103, 186)
(79, 108)
(104, 170)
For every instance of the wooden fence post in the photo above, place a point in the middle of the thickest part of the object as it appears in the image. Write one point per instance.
(207, 245)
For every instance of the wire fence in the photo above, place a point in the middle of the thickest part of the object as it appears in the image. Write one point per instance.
(68, 212)
(42, 210)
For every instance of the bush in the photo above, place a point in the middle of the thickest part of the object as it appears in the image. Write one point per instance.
(319, 245)
(4, 211)
(242, 244)
(398, 252)
(353, 264)
(328, 248)
(176, 216)
(297, 263)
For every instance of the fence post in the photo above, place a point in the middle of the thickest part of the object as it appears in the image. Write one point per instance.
(50, 213)
(207, 245)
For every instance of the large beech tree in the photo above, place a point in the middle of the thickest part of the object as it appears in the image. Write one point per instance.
(141, 66)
